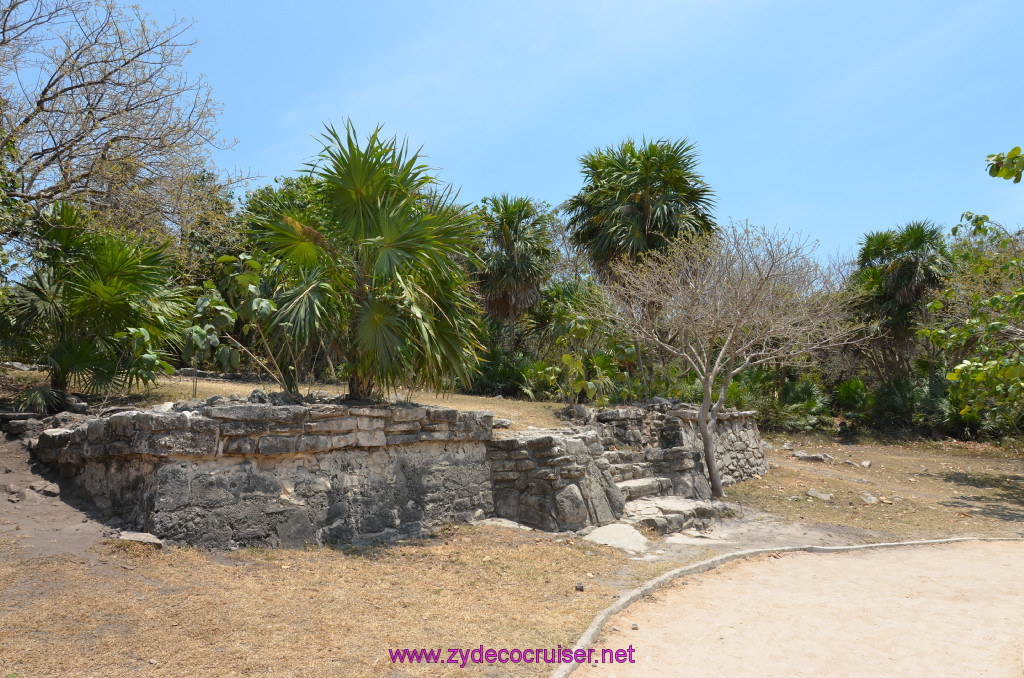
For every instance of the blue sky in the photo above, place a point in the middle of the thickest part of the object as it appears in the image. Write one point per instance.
(828, 118)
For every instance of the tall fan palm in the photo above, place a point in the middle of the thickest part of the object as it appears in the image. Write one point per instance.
(382, 272)
(96, 308)
(911, 260)
(517, 256)
(897, 269)
(637, 197)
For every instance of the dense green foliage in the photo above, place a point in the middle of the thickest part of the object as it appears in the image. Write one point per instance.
(517, 257)
(371, 267)
(364, 268)
(1007, 165)
(98, 308)
(636, 197)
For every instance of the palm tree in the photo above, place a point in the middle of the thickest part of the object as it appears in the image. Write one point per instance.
(96, 308)
(517, 257)
(381, 270)
(637, 197)
(897, 270)
(912, 260)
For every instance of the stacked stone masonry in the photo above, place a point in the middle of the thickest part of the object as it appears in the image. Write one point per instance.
(565, 480)
(662, 439)
(253, 474)
(257, 474)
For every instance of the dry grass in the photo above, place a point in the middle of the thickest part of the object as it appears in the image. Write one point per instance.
(311, 613)
(522, 413)
(135, 611)
(925, 490)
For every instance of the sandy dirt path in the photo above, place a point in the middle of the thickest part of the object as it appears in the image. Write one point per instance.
(949, 610)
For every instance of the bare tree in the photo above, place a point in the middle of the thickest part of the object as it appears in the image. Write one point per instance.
(96, 107)
(724, 302)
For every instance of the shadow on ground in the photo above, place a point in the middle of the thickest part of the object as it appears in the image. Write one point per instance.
(1005, 499)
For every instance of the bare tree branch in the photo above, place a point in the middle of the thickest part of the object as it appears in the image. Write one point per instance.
(739, 298)
(95, 106)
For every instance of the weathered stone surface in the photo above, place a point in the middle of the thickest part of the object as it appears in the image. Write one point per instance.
(237, 473)
(225, 480)
(620, 536)
(640, 487)
(141, 538)
(570, 508)
(277, 444)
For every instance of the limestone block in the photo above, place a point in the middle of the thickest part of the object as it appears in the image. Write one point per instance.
(287, 414)
(155, 421)
(122, 424)
(313, 443)
(375, 411)
(402, 427)
(340, 425)
(318, 412)
(53, 438)
(504, 444)
(242, 428)
(340, 442)
(442, 414)
(408, 414)
(247, 412)
(98, 430)
(241, 445)
(371, 439)
(570, 508)
(369, 423)
(277, 445)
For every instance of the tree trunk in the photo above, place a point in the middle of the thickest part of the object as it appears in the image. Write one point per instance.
(706, 426)
(59, 391)
(360, 386)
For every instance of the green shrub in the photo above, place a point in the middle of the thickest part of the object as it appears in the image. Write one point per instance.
(851, 396)
(895, 404)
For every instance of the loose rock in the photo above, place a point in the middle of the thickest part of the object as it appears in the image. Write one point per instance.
(620, 536)
(142, 538)
(817, 494)
(803, 456)
(45, 488)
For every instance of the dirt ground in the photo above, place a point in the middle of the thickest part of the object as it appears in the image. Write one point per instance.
(951, 610)
(921, 489)
(75, 603)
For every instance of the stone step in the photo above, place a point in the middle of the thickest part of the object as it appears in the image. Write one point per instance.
(630, 471)
(672, 514)
(644, 487)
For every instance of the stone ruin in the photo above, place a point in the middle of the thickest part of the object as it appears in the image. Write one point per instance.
(615, 463)
(255, 474)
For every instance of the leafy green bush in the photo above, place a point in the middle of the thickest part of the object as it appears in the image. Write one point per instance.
(501, 373)
(851, 396)
(98, 308)
(895, 404)
(805, 406)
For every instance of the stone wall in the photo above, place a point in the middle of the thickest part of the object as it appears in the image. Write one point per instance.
(554, 480)
(582, 476)
(259, 474)
(253, 474)
(670, 431)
